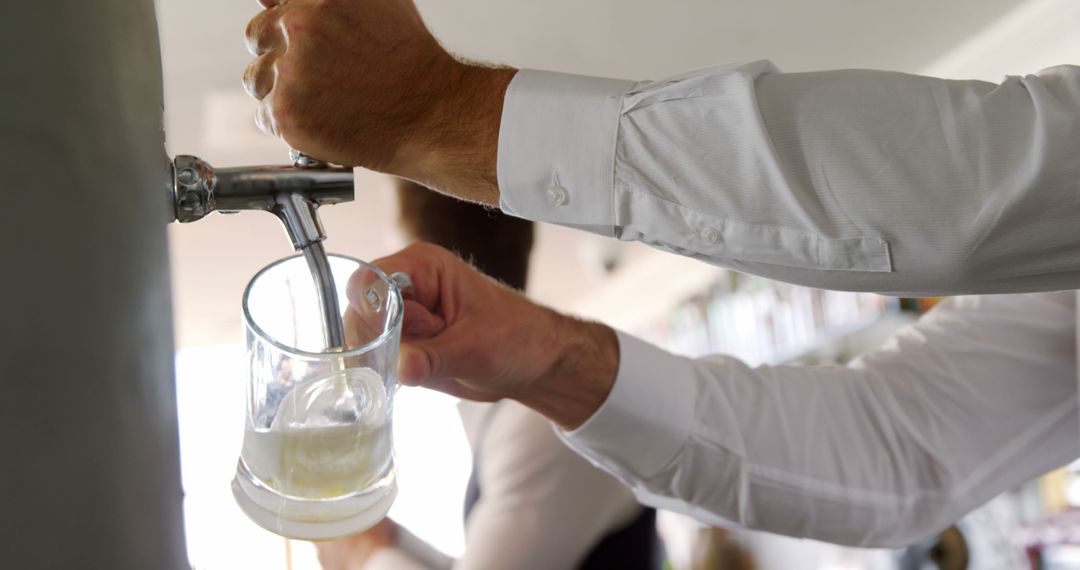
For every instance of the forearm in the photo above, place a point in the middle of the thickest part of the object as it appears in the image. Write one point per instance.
(581, 375)
(848, 180)
(453, 149)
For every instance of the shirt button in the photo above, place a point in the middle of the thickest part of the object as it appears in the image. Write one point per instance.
(557, 195)
(709, 235)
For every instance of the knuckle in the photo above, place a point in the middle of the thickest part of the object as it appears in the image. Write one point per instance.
(251, 32)
(435, 362)
(418, 247)
(264, 118)
(260, 34)
(428, 249)
(431, 256)
(255, 35)
(295, 22)
(260, 77)
(251, 75)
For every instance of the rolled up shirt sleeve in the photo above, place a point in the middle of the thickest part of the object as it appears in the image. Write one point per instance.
(972, 400)
(850, 180)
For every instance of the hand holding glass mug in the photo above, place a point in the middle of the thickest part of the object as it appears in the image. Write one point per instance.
(317, 459)
(472, 337)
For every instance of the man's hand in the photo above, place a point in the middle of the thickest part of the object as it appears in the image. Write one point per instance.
(363, 83)
(468, 335)
(353, 553)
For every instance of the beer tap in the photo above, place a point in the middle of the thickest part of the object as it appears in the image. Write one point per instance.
(292, 193)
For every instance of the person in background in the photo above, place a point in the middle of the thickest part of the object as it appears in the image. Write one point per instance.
(532, 503)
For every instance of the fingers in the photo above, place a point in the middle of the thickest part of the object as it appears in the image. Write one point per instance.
(358, 330)
(260, 76)
(353, 324)
(424, 360)
(264, 118)
(414, 365)
(263, 33)
(455, 388)
(439, 341)
(457, 352)
(427, 265)
(415, 368)
(265, 40)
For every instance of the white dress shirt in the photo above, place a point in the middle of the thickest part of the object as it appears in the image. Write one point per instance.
(849, 180)
(971, 400)
(541, 505)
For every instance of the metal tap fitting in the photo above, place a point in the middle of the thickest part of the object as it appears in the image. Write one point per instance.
(292, 193)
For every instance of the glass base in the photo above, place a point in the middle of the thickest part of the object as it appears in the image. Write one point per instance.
(307, 519)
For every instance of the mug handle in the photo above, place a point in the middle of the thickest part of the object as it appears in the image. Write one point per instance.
(404, 284)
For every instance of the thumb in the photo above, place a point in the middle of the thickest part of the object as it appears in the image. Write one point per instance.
(421, 361)
(416, 367)
(418, 361)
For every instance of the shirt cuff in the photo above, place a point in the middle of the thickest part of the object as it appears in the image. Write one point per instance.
(557, 148)
(647, 417)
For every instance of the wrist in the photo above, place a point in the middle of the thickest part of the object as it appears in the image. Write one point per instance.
(454, 147)
(580, 376)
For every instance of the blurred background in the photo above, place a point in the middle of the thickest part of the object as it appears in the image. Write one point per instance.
(684, 305)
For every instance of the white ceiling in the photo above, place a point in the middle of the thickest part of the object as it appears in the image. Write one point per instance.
(208, 115)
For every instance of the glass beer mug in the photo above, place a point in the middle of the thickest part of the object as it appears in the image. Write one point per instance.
(317, 459)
